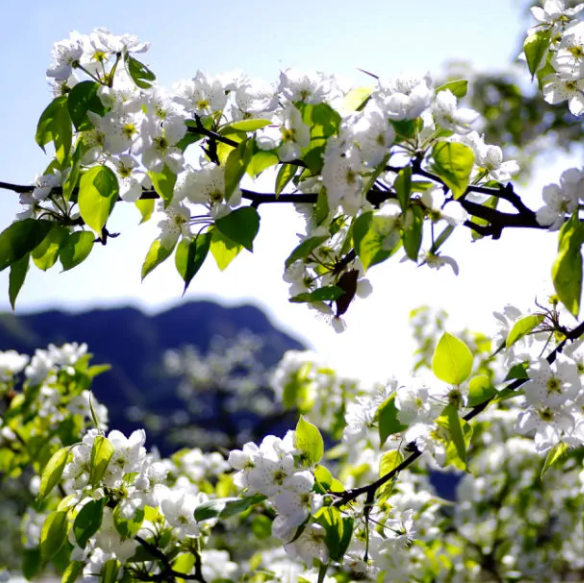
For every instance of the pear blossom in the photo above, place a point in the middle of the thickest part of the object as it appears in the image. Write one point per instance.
(449, 117)
(558, 204)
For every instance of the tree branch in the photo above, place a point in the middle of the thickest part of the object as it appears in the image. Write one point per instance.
(349, 495)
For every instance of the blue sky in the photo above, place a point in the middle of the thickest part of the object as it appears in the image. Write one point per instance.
(385, 37)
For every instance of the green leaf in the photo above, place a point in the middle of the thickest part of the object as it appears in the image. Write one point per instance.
(297, 390)
(20, 238)
(223, 249)
(146, 207)
(82, 98)
(139, 72)
(76, 249)
(52, 472)
(183, 564)
(163, 183)
(554, 455)
(241, 226)
(389, 461)
(53, 534)
(480, 389)
(452, 360)
(412, 235)
(249, 125)
(155, 256)
(518, 371)
(459, 88)
(453, 163)
(190, 256)
(236, 166)
(523, 327)
(226, 507)
(88, 521)
(55, 126)
(101, 454)
(46, 253)
(98, 193)
(72, 572)
(309, 440)
(567, 267)
(31, 562)
(128, 528)
(328, 293)
(72, 179)
(323, 476)
(357, 98)
(260, 161)
(338, 531)
(492, 202)
(387, 419)
(305, 249)
(18, 271)
(455, 429)
(370, 234)
(110, 571)
(535, 47)
(285, 175)
(403, 187)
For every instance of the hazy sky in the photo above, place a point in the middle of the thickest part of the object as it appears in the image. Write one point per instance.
(386, 37)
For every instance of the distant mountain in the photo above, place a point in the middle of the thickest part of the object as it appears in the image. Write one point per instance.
(134, 344)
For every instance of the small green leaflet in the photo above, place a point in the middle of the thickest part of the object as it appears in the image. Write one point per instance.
(567, 267)
(31, 562)
(76, 248)
(403, 187)
(72, 572)
(139, 72)
(241, 226)
(480, 389)
(53, 534)
(82, 98)
(309, 441)
(223, 249)
(155, 256)
(370, 233)
(101, 454)
(18, 271)
(387, 419)
(190, 256)
(226, 507)
(236, 166)
(110, 571)
(146, 207)
(535, 47)
(285, 175)
(260, 161)
(328, 293)
(128, 527)
(20, 238)
(249, 125)
(305, 249)
(412, 235)
(163, 183)
(523, 327)
(45, 255)
(455, 429)
(98, 193)
(452, 360)
(88, 521)
(52, 472)
(453, 163)
(458, 88)
(338, 531)
(55, 126)
(554, 455)
(389, 461)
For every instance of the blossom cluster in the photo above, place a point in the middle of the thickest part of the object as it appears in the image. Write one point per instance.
(198, 144)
